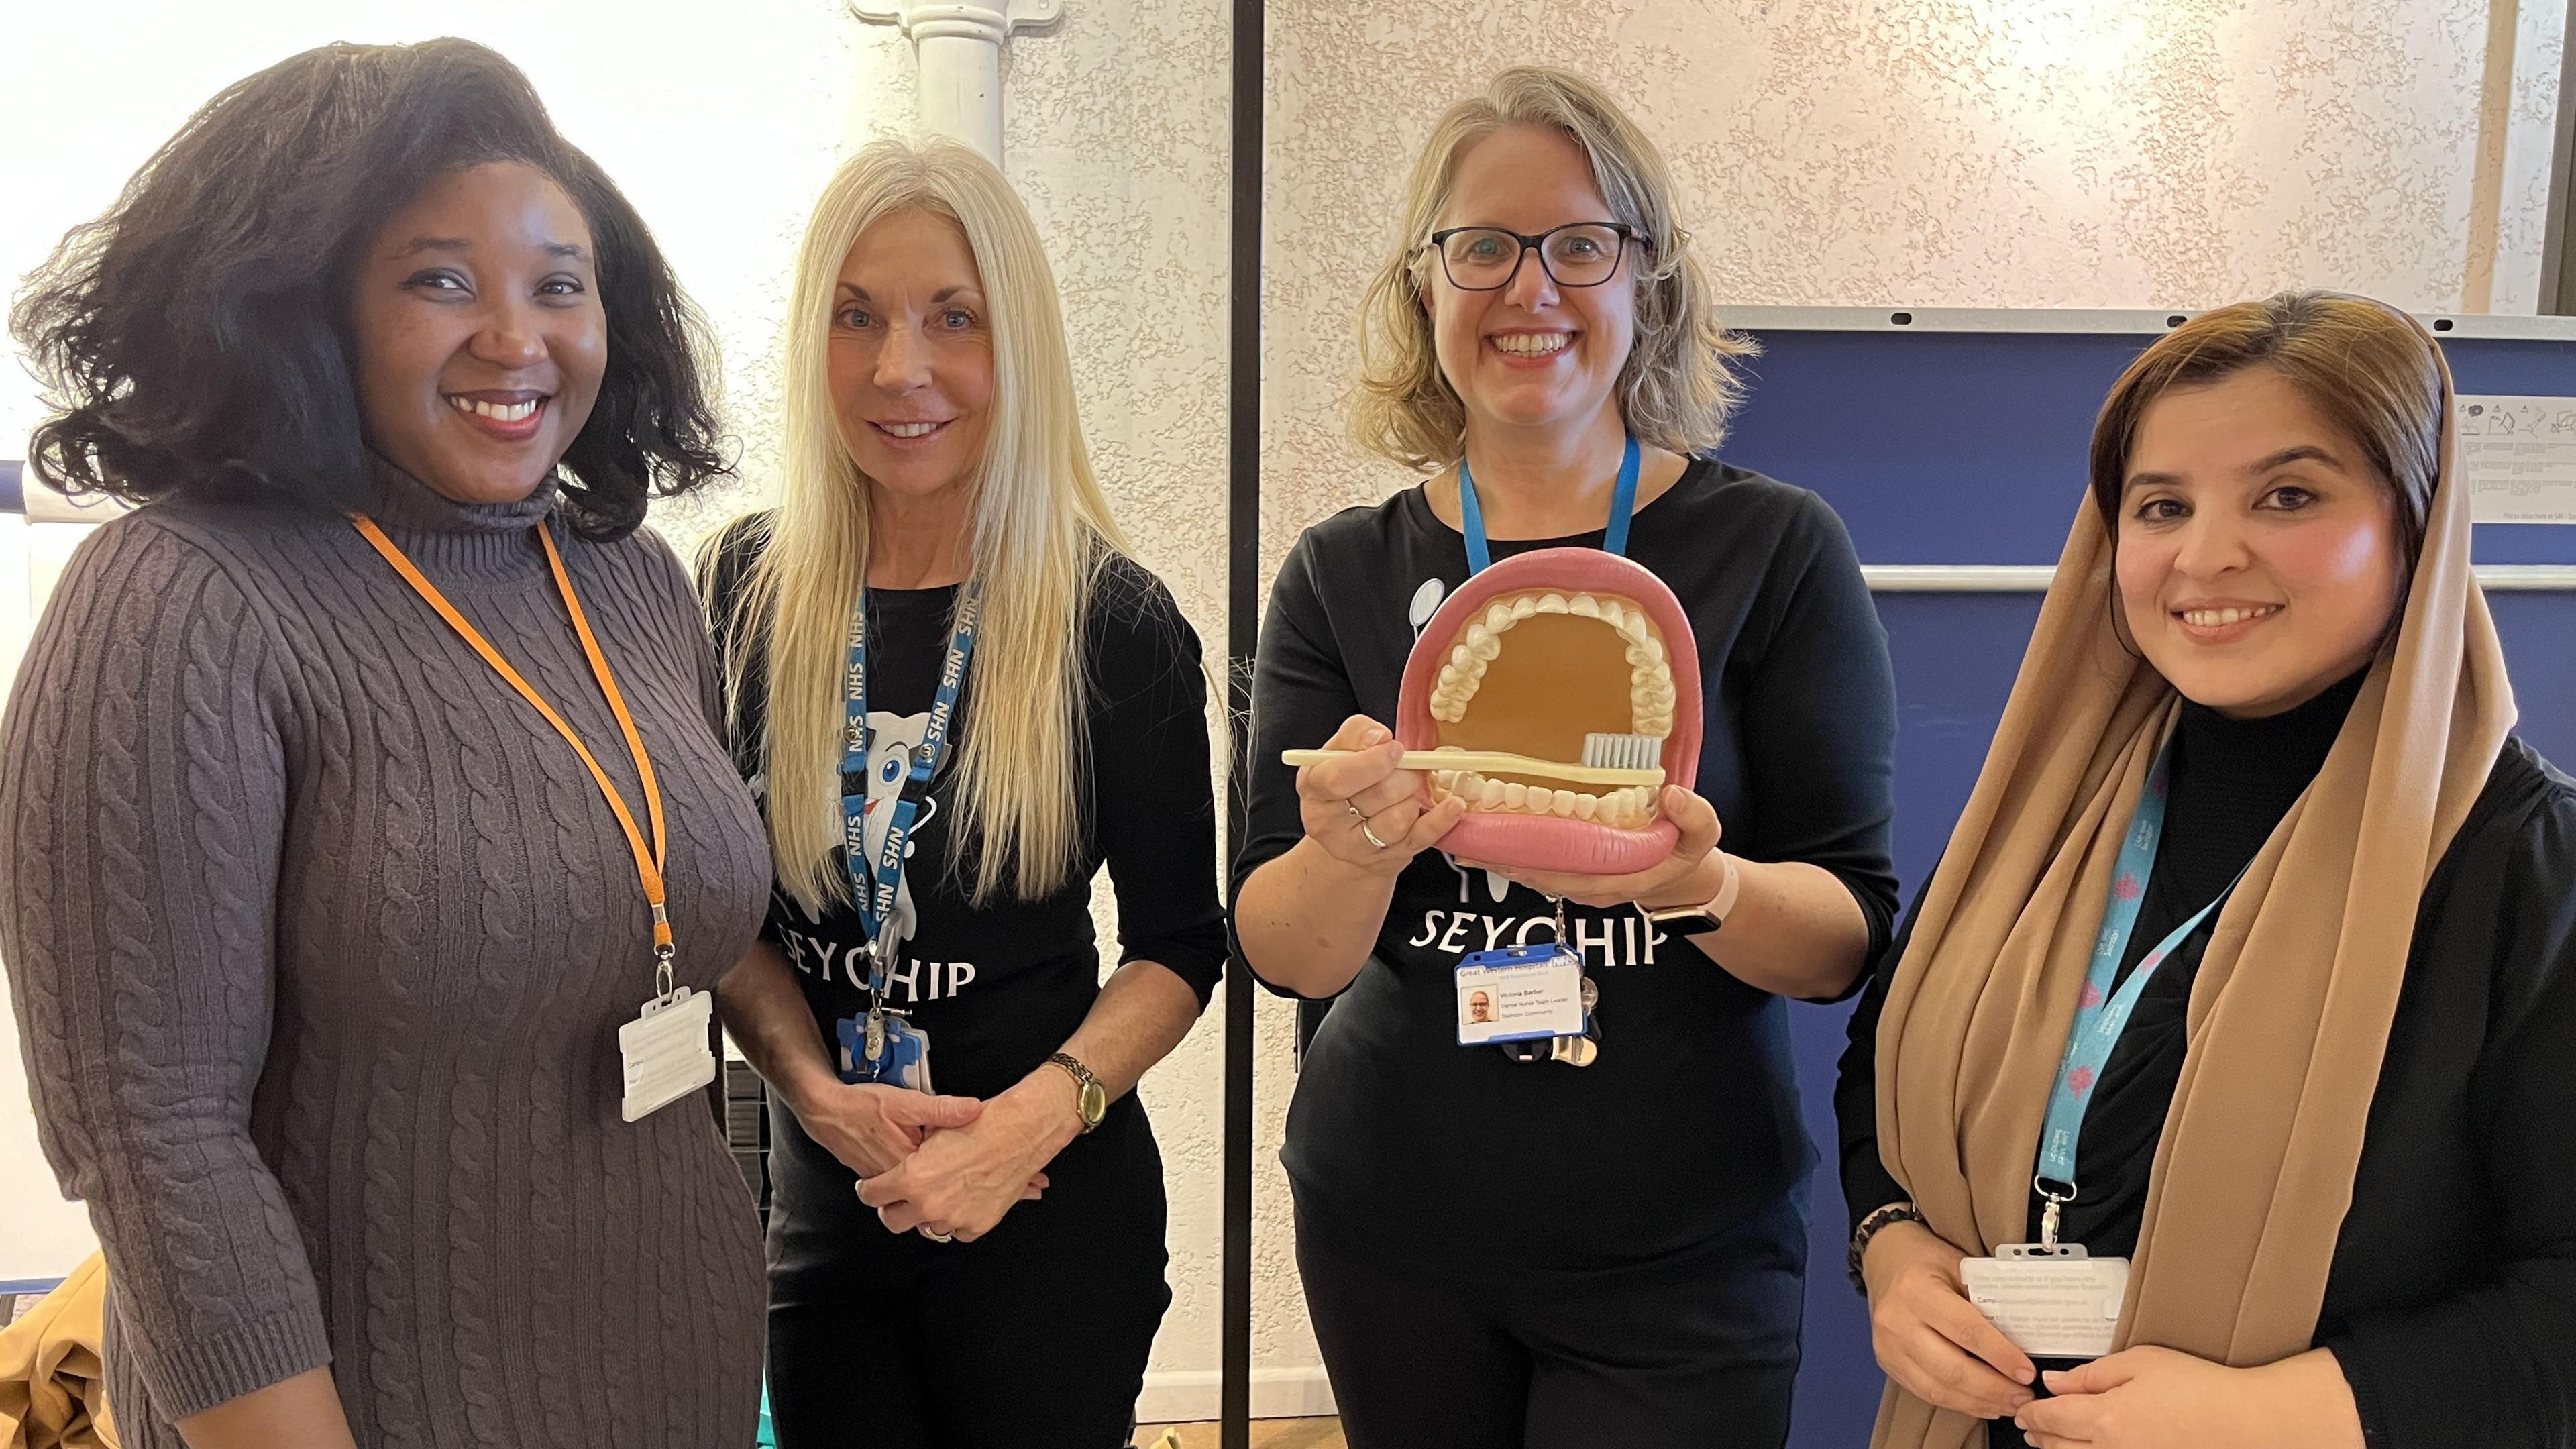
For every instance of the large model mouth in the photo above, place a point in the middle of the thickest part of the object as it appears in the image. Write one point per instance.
(1556, 647)
(1528, 658)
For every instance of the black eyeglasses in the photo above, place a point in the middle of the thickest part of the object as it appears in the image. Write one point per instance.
(1486, 258)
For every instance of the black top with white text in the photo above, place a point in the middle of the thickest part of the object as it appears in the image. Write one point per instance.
(1403, 1142)
(999, 987)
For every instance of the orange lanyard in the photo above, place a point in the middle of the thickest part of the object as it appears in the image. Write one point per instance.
(648, 862)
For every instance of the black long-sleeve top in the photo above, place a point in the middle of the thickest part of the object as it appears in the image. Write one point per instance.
(2451, 1302)
(998, 986)
(1403, 1144)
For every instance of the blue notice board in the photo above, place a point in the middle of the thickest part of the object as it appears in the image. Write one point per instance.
(1962, 439)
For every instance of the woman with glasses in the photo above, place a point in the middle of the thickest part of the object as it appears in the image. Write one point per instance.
(1541, 343)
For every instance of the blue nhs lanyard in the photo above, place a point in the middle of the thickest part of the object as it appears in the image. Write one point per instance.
(1615, 540)
(2101, 1014)
(877, 885)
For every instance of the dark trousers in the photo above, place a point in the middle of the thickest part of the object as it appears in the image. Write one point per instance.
(951, 1346)
(1696, 1351)
(1034, 1335)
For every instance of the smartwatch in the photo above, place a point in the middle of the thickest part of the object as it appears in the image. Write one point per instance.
(1701, 920)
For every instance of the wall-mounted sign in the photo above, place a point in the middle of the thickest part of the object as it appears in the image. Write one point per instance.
(2518, 455)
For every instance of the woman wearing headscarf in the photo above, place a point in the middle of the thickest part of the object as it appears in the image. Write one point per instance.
(2250, 970)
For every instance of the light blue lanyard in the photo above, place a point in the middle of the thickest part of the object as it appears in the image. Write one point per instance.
(878, 887)
(1615, 540)
(2101, 1014)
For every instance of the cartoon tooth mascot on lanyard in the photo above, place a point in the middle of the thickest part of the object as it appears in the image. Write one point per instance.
(905, 1055)
(893, 758)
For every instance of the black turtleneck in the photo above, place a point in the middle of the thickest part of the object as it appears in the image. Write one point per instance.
(2233, 780)
(2451, 1301)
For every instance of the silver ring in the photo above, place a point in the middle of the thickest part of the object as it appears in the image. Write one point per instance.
(1371, 834)
(939, 1237)
(1351, 805)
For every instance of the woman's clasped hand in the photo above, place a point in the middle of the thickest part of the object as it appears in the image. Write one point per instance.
(2156, 1398)
(1935, 1344)
(878, 1133)
(1929, 1338)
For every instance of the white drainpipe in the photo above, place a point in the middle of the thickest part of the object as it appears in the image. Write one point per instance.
(958, 45)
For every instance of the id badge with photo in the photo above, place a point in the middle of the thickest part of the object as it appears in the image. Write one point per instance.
(2051, 1302)
(666, 1052)
(1519, 993)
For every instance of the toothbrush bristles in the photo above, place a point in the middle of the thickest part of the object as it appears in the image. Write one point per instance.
(1622, 752)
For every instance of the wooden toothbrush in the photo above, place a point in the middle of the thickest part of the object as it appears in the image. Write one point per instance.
(1608, 759)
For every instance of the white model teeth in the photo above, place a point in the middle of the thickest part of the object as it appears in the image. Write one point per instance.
(498, 412)
(1627, 809)
(2221, 618)
(1651, 693)
(1533, 344)
(911, 430)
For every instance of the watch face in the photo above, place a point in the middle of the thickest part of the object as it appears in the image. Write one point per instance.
(1095, 1103)
(1686, 923)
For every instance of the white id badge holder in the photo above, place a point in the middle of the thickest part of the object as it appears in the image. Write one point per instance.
(2051, 1301)
(666, 1052)
(1520, 994)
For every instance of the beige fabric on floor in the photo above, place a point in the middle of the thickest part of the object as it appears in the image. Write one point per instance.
(2254, 1171)
(53, 1394)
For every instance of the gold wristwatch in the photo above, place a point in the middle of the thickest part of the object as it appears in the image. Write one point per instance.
(1092, 1099)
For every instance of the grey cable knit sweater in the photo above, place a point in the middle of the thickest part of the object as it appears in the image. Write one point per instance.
(319, 940)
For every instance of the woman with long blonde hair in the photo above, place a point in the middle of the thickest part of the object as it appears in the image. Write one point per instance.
(957, 697)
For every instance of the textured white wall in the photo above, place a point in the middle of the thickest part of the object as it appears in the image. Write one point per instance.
(1978, 153)
(1928, 152)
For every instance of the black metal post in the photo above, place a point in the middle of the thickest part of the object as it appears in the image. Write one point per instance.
(1243, 632)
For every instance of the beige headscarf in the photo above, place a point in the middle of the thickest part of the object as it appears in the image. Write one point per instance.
(2255, 1168)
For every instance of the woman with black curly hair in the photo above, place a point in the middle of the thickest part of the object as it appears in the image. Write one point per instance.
(367, 851)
